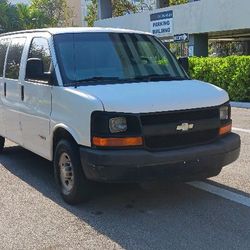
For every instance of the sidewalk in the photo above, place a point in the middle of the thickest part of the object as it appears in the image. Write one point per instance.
(245, 105)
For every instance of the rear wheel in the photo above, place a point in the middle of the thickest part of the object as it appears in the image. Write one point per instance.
(2, 141)
(74, 186)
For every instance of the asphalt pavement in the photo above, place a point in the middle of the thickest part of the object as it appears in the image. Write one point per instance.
(206, 215)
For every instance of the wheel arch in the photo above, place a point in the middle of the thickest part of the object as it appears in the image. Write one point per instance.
(61, 131)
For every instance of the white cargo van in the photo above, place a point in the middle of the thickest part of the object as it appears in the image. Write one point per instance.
(110, 105)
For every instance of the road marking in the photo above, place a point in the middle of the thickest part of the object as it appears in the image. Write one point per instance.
(241, 130)
(238, 198)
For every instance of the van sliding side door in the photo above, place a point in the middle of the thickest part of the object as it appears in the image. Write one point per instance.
(11, 96)
(4, 44)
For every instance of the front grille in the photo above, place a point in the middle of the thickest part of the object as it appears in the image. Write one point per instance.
(172, 116)
(181, 140)
(160, 129)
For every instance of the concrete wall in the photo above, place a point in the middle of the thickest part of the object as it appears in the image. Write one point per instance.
(77, 8)
(196, 17)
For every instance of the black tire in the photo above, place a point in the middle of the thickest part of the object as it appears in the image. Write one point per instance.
(2, 141)
(214, 172)
(79, 189)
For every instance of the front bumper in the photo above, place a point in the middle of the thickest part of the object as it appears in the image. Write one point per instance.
(136, 165)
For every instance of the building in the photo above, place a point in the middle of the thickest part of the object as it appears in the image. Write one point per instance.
(79, 11)
(194, 23)
(79, 8)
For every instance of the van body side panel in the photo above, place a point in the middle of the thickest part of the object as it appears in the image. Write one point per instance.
(72, 109)
(11, 112)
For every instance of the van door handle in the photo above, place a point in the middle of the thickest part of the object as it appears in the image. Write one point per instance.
(4, 89)
(22, 92)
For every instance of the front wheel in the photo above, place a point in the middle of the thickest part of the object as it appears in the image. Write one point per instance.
(74, 186)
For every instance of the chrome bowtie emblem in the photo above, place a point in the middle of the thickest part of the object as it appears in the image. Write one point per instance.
(185, 127)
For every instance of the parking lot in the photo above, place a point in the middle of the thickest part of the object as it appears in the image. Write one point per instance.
(202, 215)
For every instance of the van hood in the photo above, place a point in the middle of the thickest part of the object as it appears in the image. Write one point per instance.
(156, 96)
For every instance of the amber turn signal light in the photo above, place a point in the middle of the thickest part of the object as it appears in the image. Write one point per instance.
(117, 142)
(226, 129)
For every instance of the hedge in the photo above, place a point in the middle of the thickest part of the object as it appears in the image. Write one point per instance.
(230, 73)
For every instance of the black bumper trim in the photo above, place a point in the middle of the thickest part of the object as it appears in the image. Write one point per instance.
(135, 165)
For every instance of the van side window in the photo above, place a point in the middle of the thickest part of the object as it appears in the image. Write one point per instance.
(14, 58)
(39, 50)
(3, 50)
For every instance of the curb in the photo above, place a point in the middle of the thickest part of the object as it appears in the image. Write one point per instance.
(244, 105)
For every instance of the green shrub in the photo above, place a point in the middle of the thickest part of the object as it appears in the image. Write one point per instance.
(230, 73)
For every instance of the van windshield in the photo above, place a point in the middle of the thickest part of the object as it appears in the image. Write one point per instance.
(101, 58)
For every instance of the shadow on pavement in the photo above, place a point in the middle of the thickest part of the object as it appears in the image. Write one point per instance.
(148, 216)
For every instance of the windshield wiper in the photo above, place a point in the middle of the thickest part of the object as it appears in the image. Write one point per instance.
(147, 78)
(94, 80)
(156, 77)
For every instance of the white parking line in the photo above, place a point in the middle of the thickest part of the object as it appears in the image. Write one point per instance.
(241, 199)
(241, 130)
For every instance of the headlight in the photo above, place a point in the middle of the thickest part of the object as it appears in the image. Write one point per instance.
(224, 113)
(118, 124)
(114, 125)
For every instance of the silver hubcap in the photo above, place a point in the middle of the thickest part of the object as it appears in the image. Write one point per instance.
(66, 172)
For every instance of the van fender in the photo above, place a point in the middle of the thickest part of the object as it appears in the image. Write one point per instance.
(70, 130)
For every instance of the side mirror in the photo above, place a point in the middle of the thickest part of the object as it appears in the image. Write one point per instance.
(183, 61)
(35, 69)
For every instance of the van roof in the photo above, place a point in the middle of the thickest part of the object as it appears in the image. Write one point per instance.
(54, 31)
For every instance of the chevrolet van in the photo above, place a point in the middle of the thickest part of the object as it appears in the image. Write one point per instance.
(110, 105)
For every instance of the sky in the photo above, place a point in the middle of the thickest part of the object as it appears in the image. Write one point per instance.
(19, 1)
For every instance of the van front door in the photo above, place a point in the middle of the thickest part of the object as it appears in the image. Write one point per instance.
(35, 117)
(11, 96)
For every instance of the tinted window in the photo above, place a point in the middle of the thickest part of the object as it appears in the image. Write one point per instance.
(40, 49)
(99, 57)
(14, 58)
(3, 49)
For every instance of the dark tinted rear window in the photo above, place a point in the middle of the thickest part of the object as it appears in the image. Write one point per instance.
(14, 58)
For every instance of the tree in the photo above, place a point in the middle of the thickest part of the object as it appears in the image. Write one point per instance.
(40, 14)
(122, 7)
(51, 13)
(8, 17)
(92, 13)
(176, 2)
(25, 16)
(119, 8)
